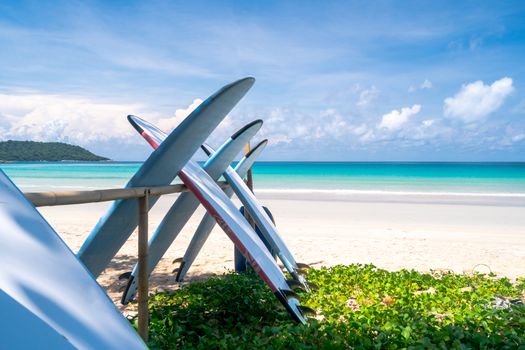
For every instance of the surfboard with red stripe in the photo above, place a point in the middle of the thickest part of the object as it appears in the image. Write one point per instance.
(186, 203)
(233, 223)
(262, 220)
(208, 222)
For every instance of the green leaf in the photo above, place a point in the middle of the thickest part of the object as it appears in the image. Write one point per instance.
(406, 332)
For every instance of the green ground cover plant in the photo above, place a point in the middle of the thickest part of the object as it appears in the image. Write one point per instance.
(358, 307)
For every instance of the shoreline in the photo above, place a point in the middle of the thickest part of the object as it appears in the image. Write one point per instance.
(351, 196)
(485, 199)
(513, 199)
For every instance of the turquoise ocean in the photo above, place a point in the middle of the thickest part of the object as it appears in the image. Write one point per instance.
(492, 179)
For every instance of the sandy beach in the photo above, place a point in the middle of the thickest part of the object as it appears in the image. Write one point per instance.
(458, 234)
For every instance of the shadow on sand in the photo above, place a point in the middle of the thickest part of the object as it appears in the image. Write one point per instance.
(160, 280)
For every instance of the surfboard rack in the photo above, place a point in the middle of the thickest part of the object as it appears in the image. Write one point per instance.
(142, 194)
(45, 199)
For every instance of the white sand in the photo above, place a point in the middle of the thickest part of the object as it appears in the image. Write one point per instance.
(416, 233)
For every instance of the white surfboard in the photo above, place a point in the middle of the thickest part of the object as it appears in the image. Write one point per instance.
(161, 167)
(186, 204)
(208, 222)
(48, 299)
(262, 220)
(233, 223)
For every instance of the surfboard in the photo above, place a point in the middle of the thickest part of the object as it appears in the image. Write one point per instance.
(208, 222)
(161, 167)
(212, 197)
(262, 220)
(47, 296)
(186, 204)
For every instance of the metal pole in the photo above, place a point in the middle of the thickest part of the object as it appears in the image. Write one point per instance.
(143, 315)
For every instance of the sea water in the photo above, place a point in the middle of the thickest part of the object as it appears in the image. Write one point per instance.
(462, 179)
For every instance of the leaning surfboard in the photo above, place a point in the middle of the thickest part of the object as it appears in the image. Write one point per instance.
(47, 297)
(161, 167)
(212, 197)
(208, 222)
(186, 204)
(261, 218)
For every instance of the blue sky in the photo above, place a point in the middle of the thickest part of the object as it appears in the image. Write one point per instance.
(441, 80)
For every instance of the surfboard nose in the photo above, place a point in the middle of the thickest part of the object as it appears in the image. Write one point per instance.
(245, 80)
(255, 124)
(238, 88)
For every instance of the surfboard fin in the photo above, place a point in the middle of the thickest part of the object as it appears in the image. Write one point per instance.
(312, 286)
(178, 278)
(124, 276)
(289, 294)
(302, 282)
(303, 266)
(295, 284)
(124, 300)
(301, 271)
(178, 261)
(305, 310)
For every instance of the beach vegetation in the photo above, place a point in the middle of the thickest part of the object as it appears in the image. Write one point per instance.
(357, 307)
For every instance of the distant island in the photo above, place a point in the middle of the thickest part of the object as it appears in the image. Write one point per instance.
(31, 151)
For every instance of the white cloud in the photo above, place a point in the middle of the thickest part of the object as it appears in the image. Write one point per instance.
(77, 120)
(428, 123)
(427, 84)
(360, 129)
(279, 139)
(89, 123)
(475, 43)
(369, 136)
(71, 119)
(518, 138)
(395, 119)
(283, 126)
(367, 96)
(476, 100)
(168, 124)
(64, 118)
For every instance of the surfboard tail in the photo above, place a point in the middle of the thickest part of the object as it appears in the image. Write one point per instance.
(291, 305)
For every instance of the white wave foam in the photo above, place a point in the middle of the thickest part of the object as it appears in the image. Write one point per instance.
(344, 192)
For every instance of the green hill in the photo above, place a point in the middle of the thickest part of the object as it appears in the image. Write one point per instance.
(18, 151)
